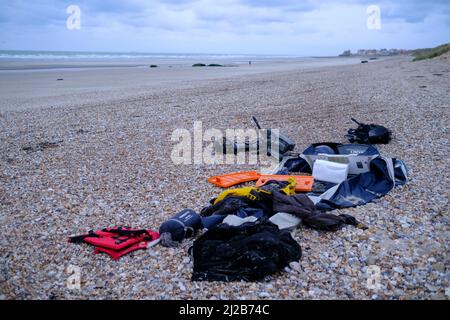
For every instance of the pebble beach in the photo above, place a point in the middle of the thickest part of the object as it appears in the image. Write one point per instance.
(71, 161)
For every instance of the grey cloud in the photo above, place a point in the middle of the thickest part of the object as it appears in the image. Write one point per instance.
(41, 13)
(263, 21)
(291, 5)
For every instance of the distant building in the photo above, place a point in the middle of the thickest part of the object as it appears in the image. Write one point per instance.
(346, 53)
(393, 52)
(375, 52)
(361, 52)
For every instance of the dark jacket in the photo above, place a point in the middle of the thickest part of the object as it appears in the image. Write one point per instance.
(247, 252)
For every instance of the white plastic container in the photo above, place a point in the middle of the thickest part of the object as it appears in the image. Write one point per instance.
(329, 171)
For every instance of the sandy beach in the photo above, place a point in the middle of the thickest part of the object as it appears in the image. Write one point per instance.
(93, 150)
(31, 83)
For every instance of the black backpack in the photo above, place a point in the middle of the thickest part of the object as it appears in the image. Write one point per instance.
(369, 134)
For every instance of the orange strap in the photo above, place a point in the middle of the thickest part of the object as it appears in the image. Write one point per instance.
(304, 183)
(231, 179)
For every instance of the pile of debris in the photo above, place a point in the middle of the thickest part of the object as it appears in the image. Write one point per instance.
(246, 232)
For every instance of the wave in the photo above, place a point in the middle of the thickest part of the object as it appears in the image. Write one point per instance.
(117, 55)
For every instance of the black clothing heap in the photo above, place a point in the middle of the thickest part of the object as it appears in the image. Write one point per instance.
(248, 252)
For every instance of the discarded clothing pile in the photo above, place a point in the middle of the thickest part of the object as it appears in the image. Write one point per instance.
(248, 252)
(272, 198)
(370, 175)
(250, 249)
(117, 242)
(247, 231)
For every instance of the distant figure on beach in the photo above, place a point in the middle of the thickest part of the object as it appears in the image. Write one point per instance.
(249, 62)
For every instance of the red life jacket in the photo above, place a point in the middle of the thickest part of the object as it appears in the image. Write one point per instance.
(117, 241)
(117, 254)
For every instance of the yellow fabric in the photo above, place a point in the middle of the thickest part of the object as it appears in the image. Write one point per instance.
(239, 192)
(289, 190)
(245, 191)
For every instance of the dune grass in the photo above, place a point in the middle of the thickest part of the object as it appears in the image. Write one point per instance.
(430, 53)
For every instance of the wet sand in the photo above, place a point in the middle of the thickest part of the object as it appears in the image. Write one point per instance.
(35, 83)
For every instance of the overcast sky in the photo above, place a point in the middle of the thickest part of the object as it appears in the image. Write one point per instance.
(293, 27)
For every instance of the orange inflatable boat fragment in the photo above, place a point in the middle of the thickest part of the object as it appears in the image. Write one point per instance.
(304, 183)
(231, 179)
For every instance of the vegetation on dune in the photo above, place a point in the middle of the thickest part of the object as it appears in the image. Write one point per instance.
(199, 65)
(421, 54)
